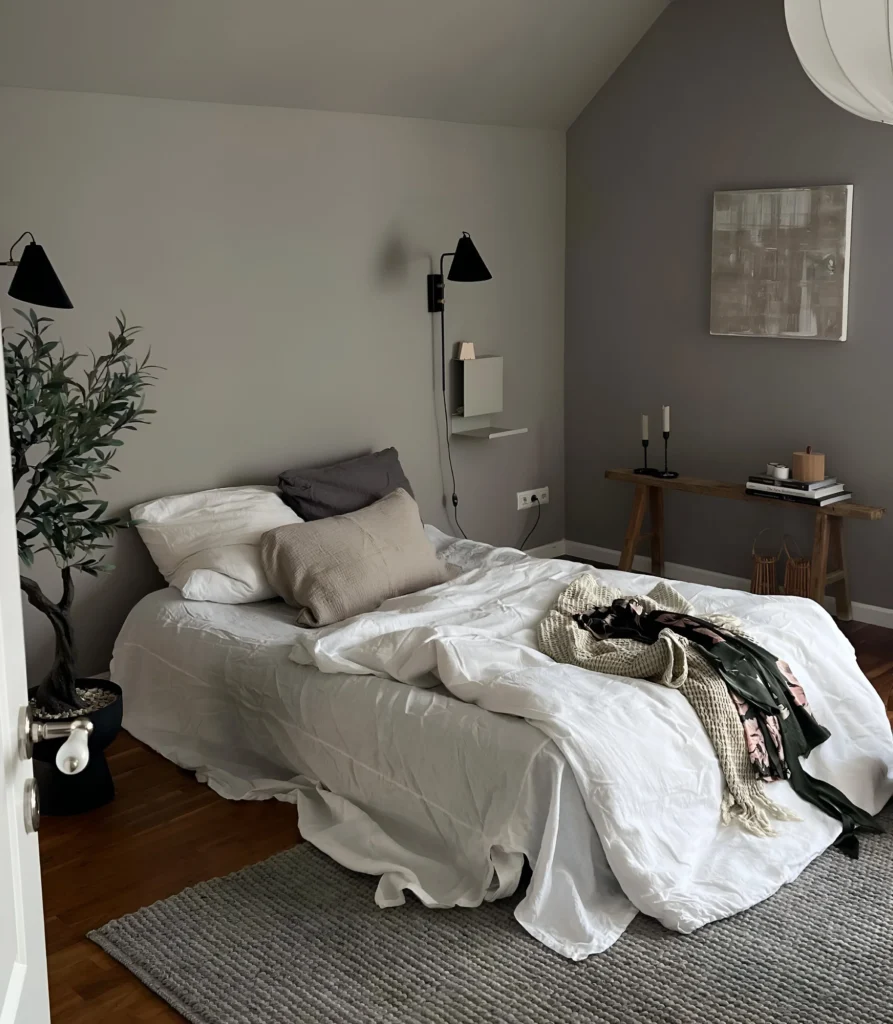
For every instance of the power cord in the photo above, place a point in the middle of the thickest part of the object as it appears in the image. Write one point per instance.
(446, 421)
(454, 496)
(539, 509)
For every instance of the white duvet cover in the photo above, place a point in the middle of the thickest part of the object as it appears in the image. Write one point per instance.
(429, 794)
(643, 765)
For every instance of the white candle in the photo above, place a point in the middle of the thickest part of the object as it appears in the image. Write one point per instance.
(666, 410)
(644, 427)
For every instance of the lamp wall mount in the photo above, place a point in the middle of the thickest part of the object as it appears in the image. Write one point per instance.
(435, 293)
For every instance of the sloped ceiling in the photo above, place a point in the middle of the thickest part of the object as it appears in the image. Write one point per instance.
(515, 62)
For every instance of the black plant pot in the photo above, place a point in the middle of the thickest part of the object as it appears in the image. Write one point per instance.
(74, 794)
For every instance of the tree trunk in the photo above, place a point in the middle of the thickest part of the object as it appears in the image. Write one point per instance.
(57, 693)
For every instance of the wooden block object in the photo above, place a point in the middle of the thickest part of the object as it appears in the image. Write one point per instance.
(466, 350)
(809, 466)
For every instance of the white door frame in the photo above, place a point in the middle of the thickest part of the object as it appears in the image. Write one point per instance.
(23, 967)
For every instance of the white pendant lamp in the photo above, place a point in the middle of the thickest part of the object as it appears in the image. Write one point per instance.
(846, 48)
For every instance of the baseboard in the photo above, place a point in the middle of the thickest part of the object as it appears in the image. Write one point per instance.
(870, 613)
(874, 614)
(672, 570)
(554, 550)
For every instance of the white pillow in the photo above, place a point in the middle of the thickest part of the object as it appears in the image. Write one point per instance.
(227, 575)
(207, 544)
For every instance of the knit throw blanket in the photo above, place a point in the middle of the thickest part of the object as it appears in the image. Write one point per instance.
(675, 662)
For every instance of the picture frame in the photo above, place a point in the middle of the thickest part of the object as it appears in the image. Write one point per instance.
(781, 262)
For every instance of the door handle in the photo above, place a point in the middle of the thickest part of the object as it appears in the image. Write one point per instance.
(32, 806)
(74, 754)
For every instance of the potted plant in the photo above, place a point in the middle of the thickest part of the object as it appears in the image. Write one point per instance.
(64, 433)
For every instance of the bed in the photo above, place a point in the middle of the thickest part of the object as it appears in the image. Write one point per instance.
(444, 787)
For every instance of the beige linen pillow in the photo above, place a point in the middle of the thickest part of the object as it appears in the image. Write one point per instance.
(334, 568)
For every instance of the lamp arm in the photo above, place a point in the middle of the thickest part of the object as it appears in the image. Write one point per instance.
(12, 262)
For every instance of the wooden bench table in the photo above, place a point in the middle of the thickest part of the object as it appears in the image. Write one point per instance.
(827, 537)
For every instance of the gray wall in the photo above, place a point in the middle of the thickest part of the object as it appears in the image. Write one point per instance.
(714, 98)
(277, 261)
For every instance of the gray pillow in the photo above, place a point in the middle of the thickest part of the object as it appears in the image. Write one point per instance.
(344, 487)
(334, 568)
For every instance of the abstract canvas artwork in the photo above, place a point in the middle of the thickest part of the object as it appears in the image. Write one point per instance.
(781, 262)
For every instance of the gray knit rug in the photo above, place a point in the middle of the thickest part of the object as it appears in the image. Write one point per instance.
(298, 939)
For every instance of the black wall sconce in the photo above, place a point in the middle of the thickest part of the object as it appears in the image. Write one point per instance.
(35, 281)
(467, 265)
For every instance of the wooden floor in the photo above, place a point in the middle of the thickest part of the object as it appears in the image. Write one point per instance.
(164, 832)
(874, 649)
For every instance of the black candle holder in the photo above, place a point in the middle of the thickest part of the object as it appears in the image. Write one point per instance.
(666, 473)
(645, 471)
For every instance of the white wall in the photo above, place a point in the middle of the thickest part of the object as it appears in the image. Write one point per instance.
(277, 261)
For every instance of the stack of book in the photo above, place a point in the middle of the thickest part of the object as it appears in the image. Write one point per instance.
(822, 492)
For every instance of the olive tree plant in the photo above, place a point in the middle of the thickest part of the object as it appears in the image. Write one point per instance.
(64, 429)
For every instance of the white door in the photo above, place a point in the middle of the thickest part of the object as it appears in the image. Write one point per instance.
(23, 969)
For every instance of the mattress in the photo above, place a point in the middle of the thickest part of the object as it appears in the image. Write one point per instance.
(386, 777)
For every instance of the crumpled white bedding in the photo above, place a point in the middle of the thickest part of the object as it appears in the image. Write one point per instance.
(441, 797)
(433, 795)
(643, 763)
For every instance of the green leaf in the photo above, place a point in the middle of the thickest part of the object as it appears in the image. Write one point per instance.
(62, 436)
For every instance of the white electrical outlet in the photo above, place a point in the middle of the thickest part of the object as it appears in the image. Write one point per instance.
(526, 498)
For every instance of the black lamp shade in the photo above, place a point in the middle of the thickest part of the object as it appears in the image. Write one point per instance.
(467, 264)
(35, 281)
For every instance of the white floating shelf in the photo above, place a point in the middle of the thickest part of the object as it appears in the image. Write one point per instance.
(490, 433)
(480, 427)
